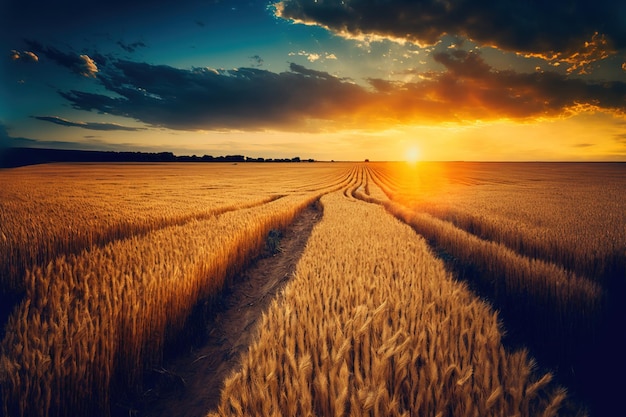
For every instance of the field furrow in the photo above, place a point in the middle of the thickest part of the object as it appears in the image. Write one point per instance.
(92, 322)
(533, 216)
(68, 217)
(229, 331)
(381, 330)
(107, 270)
(564, 316)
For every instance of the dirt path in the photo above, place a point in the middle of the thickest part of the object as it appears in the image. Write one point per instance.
(232, 329)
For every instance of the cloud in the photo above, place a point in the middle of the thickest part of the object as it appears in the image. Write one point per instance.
(574, 32)
(24, 56)
(303, 99)
(201, 98)
(88, 66)
(257, 60)
(79, 64)
(312, 56)
(87, 125)
(8, 141)
(131, 47)
(470, 89)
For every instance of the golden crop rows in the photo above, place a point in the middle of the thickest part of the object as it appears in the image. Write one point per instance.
(112, 259)
(49, 210)
(506, 227)
(93, 321)
(373, 325)
(474, 229)
(529, 284)
(572, 214)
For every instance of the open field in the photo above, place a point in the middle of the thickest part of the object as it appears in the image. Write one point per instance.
(111, 264)
(49, 210)
(93, 320)
(545, 242)
(382, 330)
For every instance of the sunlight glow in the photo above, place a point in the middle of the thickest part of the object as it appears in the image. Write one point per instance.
(412, 155)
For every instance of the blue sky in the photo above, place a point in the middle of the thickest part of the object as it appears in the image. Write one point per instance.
(328, 79)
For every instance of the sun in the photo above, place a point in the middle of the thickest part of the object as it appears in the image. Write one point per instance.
(412, 155)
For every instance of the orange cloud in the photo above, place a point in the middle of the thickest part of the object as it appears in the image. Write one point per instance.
(79, 64)
(26, 56)
(303, 99)
(471, 90)
(88, 67)
(581, 57)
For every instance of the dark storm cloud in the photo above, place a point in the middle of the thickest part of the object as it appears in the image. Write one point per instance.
(201, 98)
(252, 98)
(300, 69)
(87, 125)
(78, 63)
(564, 30)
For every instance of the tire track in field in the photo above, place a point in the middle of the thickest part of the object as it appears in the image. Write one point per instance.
(356, 181)
(452, 224)
(189, 386)
(539, 300)
(488, 232)
(302, 197)
(13, 270)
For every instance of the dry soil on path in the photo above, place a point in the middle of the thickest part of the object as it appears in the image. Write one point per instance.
(196, 379)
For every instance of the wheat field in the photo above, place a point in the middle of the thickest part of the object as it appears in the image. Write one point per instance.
(545, 242)
(382, 330)
(50, 210)
(91, 322)
(108, 262)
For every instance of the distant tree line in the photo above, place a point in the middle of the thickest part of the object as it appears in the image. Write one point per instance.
(15, 157)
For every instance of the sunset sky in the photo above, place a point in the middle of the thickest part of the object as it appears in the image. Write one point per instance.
(323, 79)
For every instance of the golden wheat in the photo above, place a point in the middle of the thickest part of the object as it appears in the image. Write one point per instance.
(113, 260)
(564, 213)
(550, 252)
(92, 322)
(544, 294)
(51, 210)
(373, 325)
